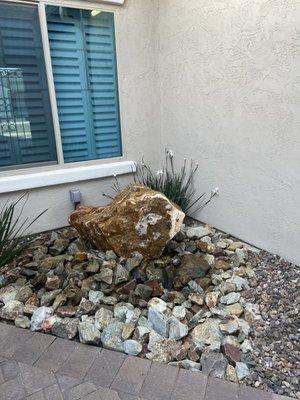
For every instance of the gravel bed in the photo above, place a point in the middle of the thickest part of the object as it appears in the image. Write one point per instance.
(276, 358)
(210, 303)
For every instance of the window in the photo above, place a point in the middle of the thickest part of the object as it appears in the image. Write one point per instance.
(81, 46)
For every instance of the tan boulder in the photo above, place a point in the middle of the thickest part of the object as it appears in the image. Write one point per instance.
(139, 219)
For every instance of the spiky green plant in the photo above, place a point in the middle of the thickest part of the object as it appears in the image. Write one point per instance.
(12, 230)
(177, 185)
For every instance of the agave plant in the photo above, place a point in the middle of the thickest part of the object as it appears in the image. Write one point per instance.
(12, 230)
(178, 186)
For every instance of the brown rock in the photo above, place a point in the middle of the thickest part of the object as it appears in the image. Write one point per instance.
(127, 287)
(221, 263)
(193, 266)
(231, 352)
(137, 220)
(53, 282)
(66, 311)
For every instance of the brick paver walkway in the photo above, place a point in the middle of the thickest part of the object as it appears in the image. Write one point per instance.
(35, 366)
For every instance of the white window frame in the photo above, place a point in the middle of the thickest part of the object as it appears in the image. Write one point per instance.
(24, 177)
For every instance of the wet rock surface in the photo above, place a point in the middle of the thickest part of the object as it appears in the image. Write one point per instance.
(218, 306)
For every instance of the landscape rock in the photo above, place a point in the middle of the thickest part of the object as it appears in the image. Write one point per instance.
(111, 336)
(66, 328)
(242, 370)
(137, 220)
(8, 293)
(214, 364)
(177, 330)
(207, 332)
(24, 294)
(88, 333)
(11, 310)
(22, 322)
(103, 318)
(230, 298)
(39, 315)
(199, 232)
(132, 347)
(162, 349)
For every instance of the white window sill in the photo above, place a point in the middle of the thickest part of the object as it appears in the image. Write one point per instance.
(60, 176)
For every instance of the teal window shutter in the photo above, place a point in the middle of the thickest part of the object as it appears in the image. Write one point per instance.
(85, 76)
(26, 130)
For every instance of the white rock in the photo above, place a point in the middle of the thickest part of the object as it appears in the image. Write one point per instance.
(111, 336)
(132, 347)
(39, 315)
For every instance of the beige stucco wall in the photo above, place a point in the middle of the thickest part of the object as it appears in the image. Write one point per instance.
(136, 41)
(230, 86)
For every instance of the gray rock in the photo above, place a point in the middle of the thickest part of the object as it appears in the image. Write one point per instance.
(199, 232)
(143, 291)
(242, 370)
(11, 310)
(214, 364)
(22, 322)
(230, 298)
(39, 315)
(105, 275)
(229, 326)
(123, 311)
(122, 274)
(67, 328)
(48, 298)
(132, 347)
(162, 349)
(187, 364)
(111, 336)
(177, 330)
(85, 307)
(179, 312)
(158, 321)
(24, 294)
(240, 283)
(103, 318)
(95, 296)
(7, 294)
(88, 333)
(207, 333)
(195, 288)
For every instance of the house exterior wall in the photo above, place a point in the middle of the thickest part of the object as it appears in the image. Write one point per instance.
(136, 42)
(230, 88)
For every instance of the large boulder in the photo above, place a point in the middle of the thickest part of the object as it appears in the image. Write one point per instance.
(137, 220)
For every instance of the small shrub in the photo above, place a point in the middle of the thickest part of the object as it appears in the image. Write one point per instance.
(12, 229)
(178, 186)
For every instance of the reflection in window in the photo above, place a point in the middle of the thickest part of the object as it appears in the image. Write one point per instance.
(26, 130)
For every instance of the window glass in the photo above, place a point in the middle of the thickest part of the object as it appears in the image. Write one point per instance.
(82, 45)
(26, 130)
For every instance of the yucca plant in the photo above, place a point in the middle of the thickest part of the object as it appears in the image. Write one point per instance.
(178, 186)
(12, 230)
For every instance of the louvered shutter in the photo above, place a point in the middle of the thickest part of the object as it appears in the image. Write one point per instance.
(26, 131)
(84, 70)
